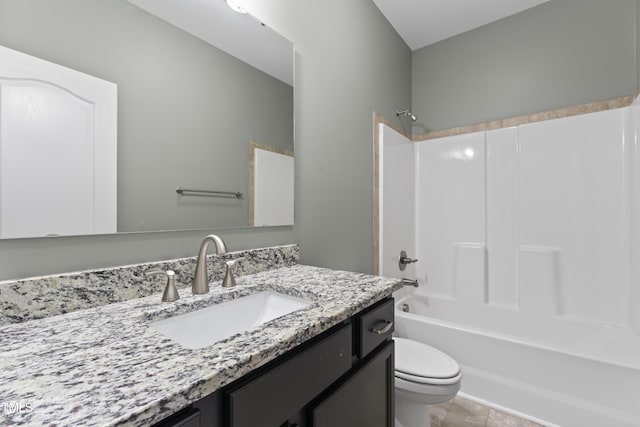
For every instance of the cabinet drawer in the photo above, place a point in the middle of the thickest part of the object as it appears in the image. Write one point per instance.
(374, 327)
(272, 397)
(188, 417)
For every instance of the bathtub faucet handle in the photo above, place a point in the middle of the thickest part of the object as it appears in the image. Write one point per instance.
(404, 260)
(409, 282)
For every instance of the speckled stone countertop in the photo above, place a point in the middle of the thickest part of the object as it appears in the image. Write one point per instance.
(105, 366)
(39, 297)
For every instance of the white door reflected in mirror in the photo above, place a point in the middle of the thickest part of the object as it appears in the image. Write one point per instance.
(57, 149)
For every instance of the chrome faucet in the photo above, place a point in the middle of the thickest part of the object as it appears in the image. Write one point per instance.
(200, 284)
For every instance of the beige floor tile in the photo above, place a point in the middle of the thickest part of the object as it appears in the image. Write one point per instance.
(437, 422)
(466, 413)
(438, 413)
(461, 412)
(501, 419)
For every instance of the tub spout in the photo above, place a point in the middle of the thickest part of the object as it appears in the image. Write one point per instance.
(409, 282)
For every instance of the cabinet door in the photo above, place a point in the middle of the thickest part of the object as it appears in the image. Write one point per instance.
(272, 397)
(365, 399)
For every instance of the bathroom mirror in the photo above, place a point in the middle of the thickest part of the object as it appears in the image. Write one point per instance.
(187, 107)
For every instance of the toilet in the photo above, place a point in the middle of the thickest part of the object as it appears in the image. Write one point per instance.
(423, 376)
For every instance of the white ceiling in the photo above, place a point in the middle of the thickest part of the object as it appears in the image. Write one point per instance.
(424, 22)
(419, 23)
(240, 35)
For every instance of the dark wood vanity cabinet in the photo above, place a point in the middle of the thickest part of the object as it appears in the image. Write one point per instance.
(343, 377)
(365, 396)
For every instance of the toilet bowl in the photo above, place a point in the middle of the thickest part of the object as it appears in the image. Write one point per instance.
(423, 376)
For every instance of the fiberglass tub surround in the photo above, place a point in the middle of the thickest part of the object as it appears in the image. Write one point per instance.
(528, 242)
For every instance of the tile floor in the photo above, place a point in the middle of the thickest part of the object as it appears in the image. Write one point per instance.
(461, 412)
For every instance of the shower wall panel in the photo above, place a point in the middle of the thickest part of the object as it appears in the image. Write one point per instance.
(574, 221)
(532, 226)
(450, 216)
(396, 201)
(633, 145)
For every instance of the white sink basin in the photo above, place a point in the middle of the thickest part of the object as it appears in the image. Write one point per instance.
(204, 327)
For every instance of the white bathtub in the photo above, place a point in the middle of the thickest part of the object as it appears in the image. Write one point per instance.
(564, 373)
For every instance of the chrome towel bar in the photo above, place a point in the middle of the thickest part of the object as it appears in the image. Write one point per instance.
(187, 192)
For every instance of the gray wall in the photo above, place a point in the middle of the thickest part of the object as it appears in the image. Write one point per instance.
(349, 63)
(561, 53)
(186, 110)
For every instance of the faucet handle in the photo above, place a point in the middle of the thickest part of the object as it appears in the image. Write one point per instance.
(404, 260)
(229, 280)
(170, 291)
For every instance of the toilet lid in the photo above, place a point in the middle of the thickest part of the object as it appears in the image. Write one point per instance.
(420, 360)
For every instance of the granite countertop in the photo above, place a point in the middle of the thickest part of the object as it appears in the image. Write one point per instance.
(105, 366)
